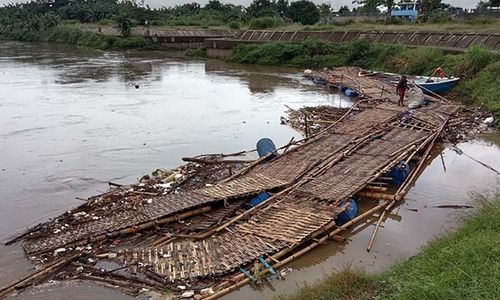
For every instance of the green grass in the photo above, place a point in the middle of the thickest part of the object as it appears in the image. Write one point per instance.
(69, 34)
(462, 265)
(196, 52)
(265, 22)
(348, 284)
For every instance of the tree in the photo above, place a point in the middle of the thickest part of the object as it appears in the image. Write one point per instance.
(214, 5)
(124, 24)
(369, 6)
(325, 10)
(344, 10)
(282, 7)
(262, 8)
(372, 5)
(427, 6)
(304, 12)
(482, 5)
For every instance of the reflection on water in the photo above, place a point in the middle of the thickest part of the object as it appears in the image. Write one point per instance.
(72, 120)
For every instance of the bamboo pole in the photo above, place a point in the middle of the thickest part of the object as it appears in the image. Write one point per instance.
(37, 274)
(377, 226)
(245, 281)
(378, 195)
(124, 283)
(248, 168)
(405, 187)
(134, 229)
(214, 161)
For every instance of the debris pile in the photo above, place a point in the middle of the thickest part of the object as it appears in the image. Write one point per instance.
(313, 119)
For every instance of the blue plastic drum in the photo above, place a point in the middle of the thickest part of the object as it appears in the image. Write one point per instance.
(265, 146)
(350, 93)
(347, 215)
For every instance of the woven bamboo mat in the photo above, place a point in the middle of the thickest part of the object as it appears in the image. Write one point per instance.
(366, 119)
(292, 220)
(349, 175)
(160, 207)
(251, 183)
(288, 167)
(435, 114)
(212, 256)
(269, 231)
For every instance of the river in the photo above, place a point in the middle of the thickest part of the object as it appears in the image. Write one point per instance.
(73, 119)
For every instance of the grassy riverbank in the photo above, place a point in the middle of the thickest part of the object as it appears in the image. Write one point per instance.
(462, 265)
(478, 67)
(71, 35)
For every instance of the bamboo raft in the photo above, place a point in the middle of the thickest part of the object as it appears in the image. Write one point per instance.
(310, 184)
(292, 218)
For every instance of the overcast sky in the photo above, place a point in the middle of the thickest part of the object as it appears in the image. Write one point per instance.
(334, 3)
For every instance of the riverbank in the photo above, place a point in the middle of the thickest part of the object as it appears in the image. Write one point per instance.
(461, 265)
(72, 35)
(478, 67)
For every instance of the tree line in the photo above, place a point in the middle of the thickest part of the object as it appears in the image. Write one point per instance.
(213, 13)
(39, 15)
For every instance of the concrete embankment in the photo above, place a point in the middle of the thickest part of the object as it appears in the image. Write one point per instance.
(222, 47)
(170, 37)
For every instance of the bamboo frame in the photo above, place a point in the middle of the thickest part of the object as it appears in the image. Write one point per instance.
(240, 279)
(31, 277)
(134, 229)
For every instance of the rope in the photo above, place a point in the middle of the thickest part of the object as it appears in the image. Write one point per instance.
(460, 152)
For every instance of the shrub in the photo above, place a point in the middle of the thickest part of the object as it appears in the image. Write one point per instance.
(265, 22)
(418, 61)
(132, 43)
(476, 58)
(438, 16)
(234, 25)
(196, 52)
(483, 88)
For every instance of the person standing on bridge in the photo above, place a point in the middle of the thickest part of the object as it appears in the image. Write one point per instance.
(401, 89)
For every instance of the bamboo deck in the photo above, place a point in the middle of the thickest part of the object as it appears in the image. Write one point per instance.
(292, 218)
(281, 225)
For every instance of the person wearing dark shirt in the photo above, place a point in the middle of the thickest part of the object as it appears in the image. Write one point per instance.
(401, 89)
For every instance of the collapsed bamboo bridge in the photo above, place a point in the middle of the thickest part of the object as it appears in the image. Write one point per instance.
(309, 183)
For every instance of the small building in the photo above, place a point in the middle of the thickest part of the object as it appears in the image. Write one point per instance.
(406, 10)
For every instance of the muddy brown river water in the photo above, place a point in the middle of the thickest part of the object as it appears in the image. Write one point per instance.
(72, 119)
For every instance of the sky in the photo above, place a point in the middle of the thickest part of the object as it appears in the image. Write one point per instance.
(334, 3)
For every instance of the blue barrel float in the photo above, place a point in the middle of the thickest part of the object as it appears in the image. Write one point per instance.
(266, 146)
(347, 215)
(256, 200)
(351, 93)
(398, 173)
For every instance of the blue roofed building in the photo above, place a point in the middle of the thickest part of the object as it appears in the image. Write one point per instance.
(406, 10)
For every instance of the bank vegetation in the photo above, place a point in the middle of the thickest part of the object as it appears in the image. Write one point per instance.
(478, 67)
(461, 265)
